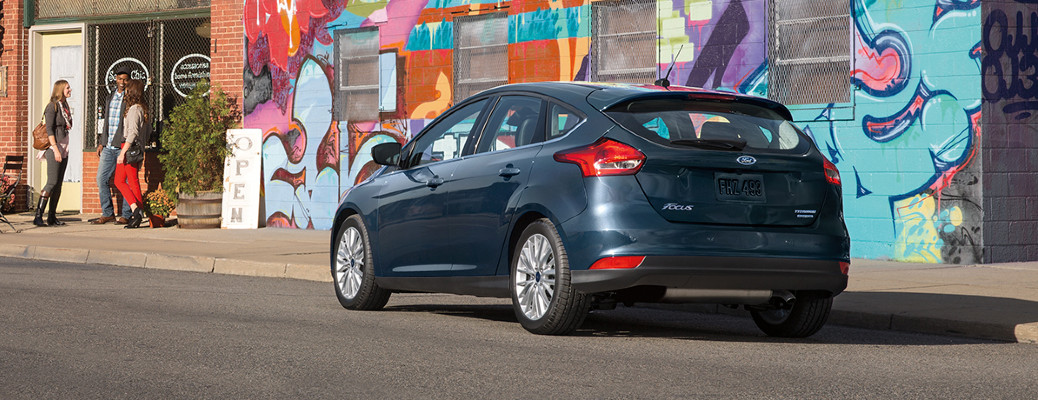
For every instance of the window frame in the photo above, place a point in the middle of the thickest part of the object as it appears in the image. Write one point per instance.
(776, 61)
(540, 124)
(466, 149)
(581, 117)
(599, 38)
(341, 94)
(459, 49)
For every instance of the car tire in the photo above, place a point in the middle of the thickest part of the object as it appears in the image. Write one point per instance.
(543, 297)
(806, 316)
(353, 272)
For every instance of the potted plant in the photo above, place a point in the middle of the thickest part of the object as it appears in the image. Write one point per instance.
(161, 204)
(194, 145)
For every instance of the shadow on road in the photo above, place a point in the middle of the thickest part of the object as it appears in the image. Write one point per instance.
(730, 326)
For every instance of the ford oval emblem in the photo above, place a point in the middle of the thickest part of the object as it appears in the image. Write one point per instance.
(746, 160)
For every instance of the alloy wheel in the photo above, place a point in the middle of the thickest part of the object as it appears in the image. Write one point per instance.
(349, 263)
(535, 277)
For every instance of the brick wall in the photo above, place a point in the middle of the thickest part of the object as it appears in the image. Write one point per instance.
(226, 46)
(13, 121)
(1010, 126)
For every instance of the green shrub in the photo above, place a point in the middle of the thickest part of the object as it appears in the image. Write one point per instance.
(194, 143)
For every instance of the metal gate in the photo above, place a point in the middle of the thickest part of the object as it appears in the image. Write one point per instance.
(171, 56)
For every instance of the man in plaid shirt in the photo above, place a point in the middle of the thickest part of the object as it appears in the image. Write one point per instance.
(112, 124)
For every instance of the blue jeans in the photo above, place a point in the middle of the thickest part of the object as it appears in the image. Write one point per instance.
(105, 171)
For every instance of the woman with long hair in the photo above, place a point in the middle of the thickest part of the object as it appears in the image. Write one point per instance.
(135, 119)
(58, 118)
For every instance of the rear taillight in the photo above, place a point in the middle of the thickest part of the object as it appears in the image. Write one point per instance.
(845, 267)
(623, 262)
(831, 173)
(604, 157)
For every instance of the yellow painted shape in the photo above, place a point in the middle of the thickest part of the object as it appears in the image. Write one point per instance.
(915, 224)
(700, 10)
(674, 44)
(573, 56)
(430, 110)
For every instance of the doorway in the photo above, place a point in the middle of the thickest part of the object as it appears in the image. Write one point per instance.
(56, 54)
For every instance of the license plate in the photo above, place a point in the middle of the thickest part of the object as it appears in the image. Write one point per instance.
(740, 187)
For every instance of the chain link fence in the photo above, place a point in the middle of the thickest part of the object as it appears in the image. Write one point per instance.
(480, 54)
(624, 41)
(171, 56)
(809, 52)
(48, 9)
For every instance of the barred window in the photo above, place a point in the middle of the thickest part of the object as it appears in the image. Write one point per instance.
(623, 41)
(357, 75)
(480, 53)
(809, 52)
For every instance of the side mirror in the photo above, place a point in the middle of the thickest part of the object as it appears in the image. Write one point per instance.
(386, 153)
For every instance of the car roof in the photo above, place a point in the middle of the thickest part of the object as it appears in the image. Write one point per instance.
(603, 95)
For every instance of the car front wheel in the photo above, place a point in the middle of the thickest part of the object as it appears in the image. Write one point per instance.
(543, 297)
(802, 319)
(353, 270)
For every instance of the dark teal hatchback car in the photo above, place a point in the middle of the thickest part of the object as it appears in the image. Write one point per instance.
(573, 196)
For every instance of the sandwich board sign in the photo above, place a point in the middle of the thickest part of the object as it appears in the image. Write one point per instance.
(241, 180)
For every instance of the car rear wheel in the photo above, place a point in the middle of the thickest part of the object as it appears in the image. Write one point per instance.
(805, 317)
(543, 297)
(353, 270)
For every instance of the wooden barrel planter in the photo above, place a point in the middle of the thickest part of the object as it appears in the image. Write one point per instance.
(199, 211)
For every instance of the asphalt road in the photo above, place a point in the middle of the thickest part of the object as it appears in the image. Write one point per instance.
(85, 331)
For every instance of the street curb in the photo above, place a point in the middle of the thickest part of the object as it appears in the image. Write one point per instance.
(318, 273)
(1021, 333)
(117, 258)
(251, 268)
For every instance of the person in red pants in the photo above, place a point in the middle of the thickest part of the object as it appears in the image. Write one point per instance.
(131, 151)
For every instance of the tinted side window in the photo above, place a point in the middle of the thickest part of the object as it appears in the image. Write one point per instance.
(514, 123)
(561, 120)
(446, 140)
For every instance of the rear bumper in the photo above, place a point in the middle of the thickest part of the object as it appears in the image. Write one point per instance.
(738, 273)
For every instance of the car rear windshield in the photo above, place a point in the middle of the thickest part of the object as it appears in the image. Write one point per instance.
(710, 125)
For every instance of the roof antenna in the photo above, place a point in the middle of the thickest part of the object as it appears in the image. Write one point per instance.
(665, 81)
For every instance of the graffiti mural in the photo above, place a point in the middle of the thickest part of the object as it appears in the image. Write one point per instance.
(716, 44)
(310, 159)
(907, 144)
(909, 156)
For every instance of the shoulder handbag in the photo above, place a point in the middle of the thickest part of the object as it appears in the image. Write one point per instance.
(134, 153)
(39, 136)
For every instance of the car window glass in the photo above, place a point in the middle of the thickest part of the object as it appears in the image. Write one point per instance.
(513, 123)
(672, 121)
(562, 121)
(446, 140)
(656, 125)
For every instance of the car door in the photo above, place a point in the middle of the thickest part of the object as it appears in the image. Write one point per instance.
(414, 238)
(486, 185)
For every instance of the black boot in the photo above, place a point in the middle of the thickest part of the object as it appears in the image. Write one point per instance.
(52, 220)
(38, 221)
(135, 219)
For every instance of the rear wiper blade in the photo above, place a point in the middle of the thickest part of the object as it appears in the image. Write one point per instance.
(717, 144)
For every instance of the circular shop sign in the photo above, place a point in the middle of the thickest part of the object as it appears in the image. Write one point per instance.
(137, 69)
(188, 71)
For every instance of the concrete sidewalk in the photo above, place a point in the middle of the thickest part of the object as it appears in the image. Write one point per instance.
(992, 301)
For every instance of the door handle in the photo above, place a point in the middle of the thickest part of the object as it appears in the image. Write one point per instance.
(434, 182)
(508, 172)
